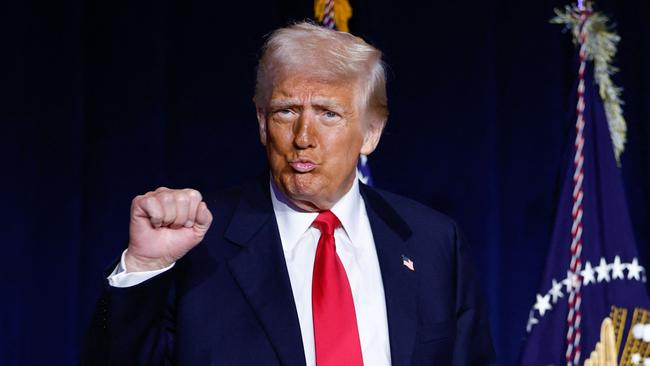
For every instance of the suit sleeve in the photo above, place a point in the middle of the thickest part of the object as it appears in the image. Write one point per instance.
(473, 345)
(133, 325)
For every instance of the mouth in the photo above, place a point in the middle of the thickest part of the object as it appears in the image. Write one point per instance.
(302, 165)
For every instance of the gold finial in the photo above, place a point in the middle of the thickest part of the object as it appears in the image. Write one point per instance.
(341, 9)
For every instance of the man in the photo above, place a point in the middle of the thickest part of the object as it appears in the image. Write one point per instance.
(307, 266)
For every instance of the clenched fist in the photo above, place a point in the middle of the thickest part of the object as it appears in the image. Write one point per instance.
(165, 225)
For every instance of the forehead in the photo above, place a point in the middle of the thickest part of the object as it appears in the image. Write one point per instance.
(309, 87)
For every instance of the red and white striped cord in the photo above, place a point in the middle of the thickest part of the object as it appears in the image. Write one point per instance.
(328, 19)
(575, 298)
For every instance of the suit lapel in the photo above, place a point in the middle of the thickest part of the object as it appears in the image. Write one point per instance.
(400, 284)
(261, 273)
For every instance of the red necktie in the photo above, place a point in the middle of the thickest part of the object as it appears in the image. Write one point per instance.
(335, 324)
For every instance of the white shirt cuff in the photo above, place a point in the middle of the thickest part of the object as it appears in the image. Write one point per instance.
(121, 278)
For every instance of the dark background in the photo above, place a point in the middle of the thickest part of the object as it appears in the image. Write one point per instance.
(103, 100)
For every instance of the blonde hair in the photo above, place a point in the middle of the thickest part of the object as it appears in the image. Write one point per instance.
(312, 50)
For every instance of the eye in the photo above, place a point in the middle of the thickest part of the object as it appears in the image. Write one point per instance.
(284, 114)
(330, 117)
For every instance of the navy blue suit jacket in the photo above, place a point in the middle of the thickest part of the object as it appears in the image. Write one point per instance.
(229, 300)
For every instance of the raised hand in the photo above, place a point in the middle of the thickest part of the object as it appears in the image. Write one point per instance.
(165, 224)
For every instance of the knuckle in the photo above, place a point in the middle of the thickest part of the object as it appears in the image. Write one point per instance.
(150, 200)
(194, 194)
(166, 197)
(182, 198)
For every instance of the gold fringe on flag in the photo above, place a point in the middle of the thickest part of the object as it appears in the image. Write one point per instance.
(342, 12)
(605, 352)
(636, 351)
(601, 46)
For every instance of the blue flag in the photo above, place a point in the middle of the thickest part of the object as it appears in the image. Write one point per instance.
(583, 280)
(363, 170)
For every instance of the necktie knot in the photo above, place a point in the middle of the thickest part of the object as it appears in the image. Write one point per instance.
(327, 222)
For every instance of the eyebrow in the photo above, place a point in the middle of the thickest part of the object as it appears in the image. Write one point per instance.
(319, 102)
(327, 103)
(283, 103)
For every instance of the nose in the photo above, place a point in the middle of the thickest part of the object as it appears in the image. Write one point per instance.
(304, 136)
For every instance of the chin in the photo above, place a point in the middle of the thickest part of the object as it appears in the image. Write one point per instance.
(302, 185)
(303, 188)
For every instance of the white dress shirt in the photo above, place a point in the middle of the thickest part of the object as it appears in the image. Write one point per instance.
(355, 247)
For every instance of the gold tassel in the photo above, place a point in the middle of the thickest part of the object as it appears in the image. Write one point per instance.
(342, 13)
(601, 45)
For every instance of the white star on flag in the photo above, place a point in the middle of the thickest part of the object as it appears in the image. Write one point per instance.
(571, 281)
(543, 304)
(556, 291)
(634, 270)
(588, 274)
(603, 270)
(617, 269)
(531, 321)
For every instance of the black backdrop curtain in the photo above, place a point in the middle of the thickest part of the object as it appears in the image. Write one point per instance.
(103, 100)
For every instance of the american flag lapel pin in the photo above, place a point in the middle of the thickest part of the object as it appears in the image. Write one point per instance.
(408, 263)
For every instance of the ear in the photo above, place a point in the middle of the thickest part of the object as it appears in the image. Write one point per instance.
(261, 124)
(372, 136)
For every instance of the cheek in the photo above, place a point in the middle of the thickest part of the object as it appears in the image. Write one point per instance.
(279, 136)
(342, 154)
(346, 146)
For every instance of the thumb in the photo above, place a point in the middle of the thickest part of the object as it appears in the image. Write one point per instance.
(203, 217)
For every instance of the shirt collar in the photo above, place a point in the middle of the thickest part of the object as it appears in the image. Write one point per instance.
(293, 223)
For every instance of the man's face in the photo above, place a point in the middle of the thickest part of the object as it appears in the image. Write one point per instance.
(314, 131)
